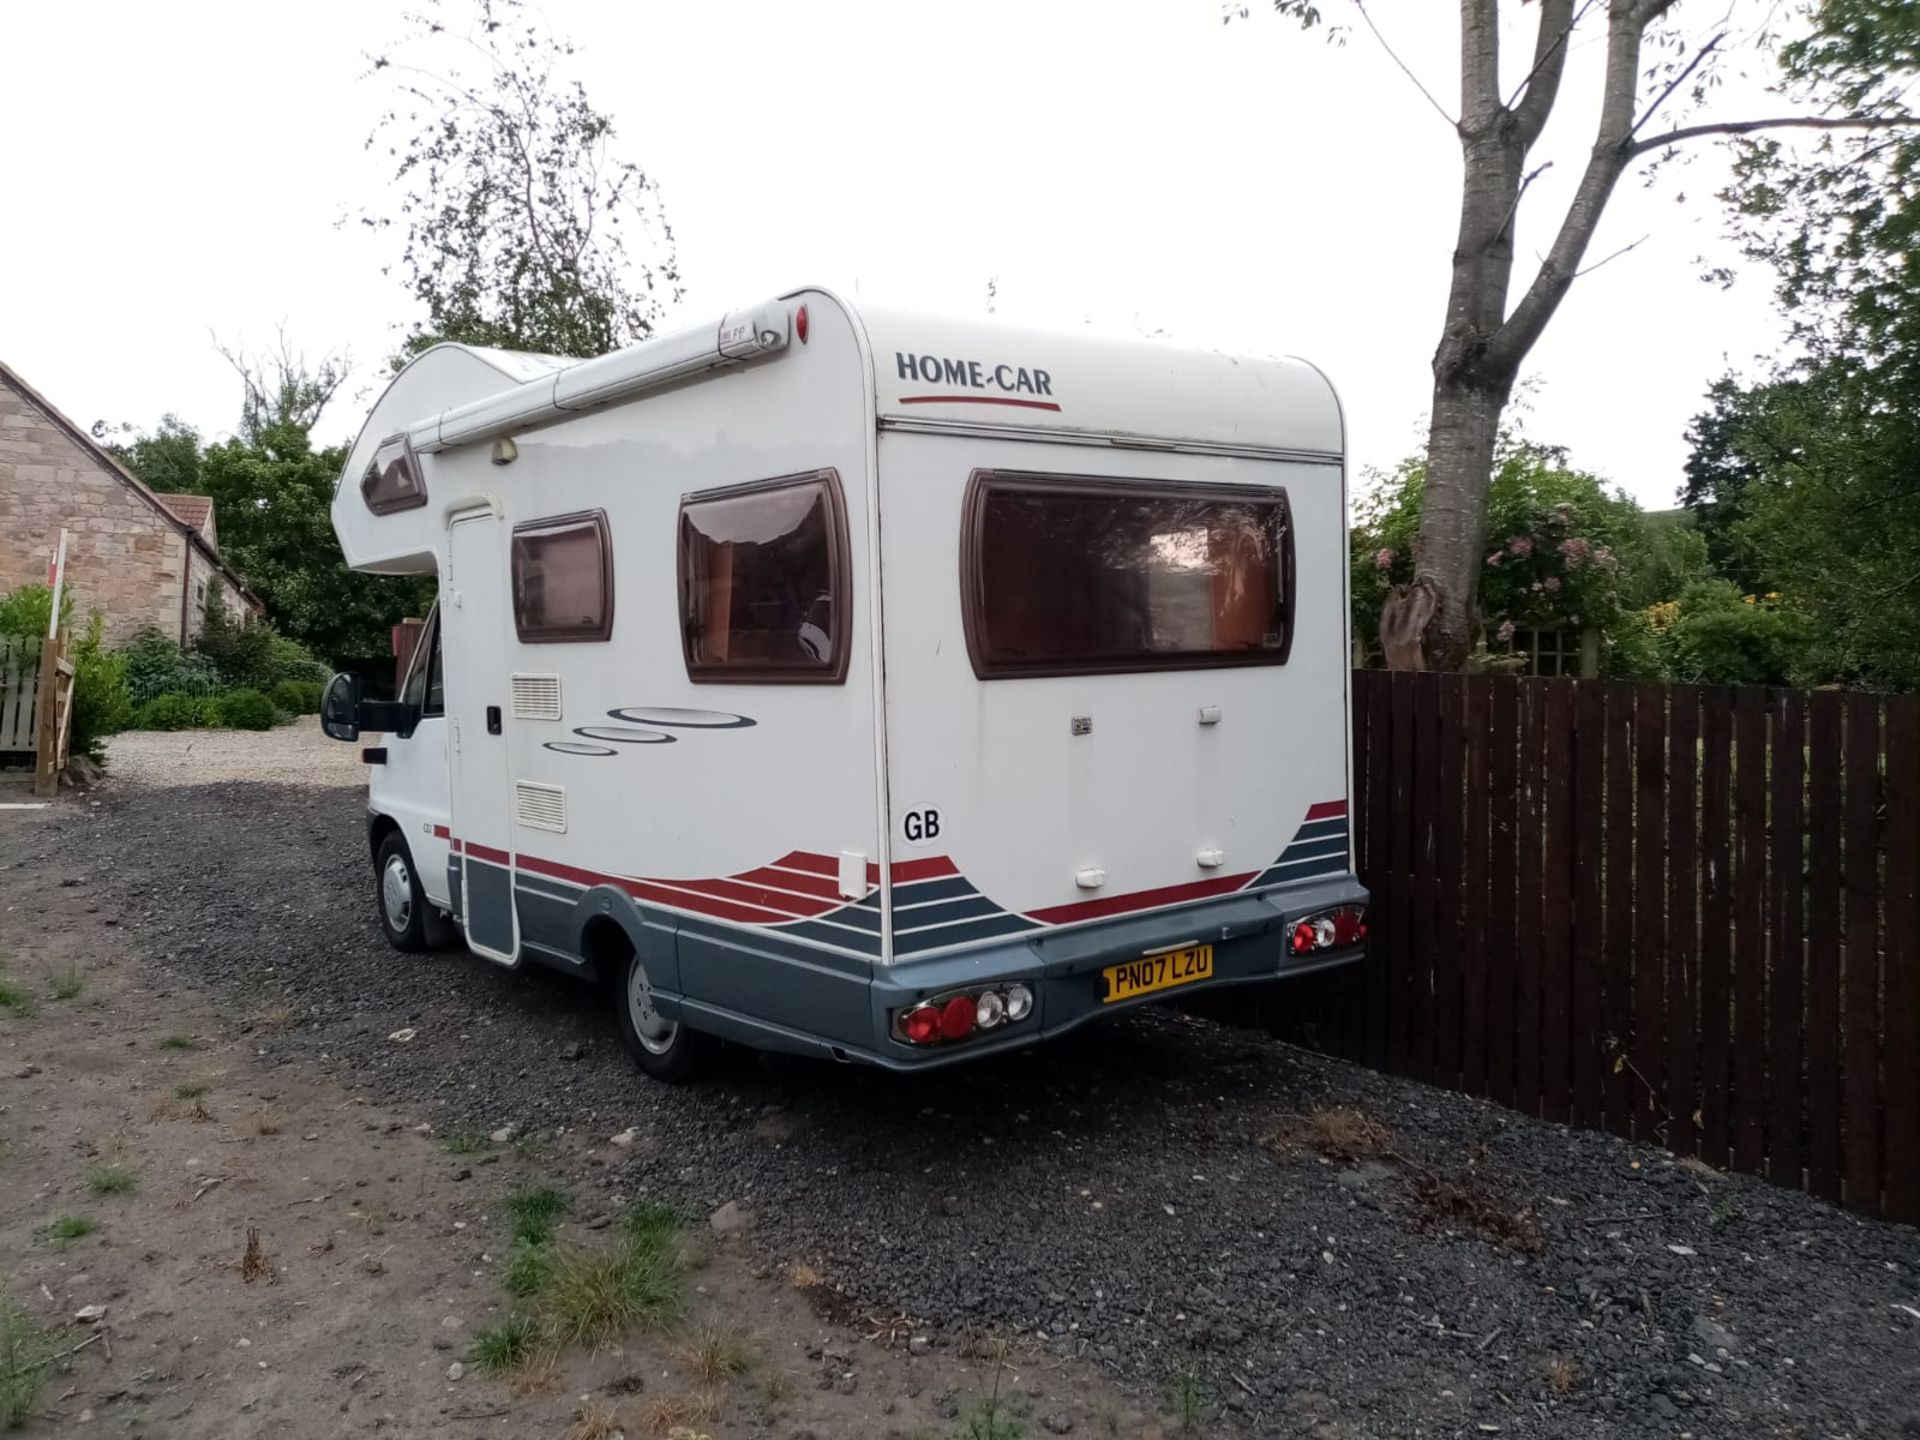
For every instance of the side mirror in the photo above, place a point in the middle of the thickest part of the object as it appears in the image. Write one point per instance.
(340, 708)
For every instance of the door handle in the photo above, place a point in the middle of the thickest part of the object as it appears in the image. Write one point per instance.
(493, 719)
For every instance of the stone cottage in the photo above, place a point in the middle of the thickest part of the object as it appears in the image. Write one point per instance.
(138, 557)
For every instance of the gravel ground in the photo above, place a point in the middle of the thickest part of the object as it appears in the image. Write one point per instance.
(1145, 1193)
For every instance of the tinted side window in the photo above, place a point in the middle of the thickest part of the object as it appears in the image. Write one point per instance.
(563, 579)
(393, 481)
(764, 582)
(422, 685)
(1069, 574)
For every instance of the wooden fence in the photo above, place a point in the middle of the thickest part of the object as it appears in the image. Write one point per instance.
(19, 688)
(1689, 916)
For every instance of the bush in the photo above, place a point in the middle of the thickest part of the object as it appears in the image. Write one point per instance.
(297, 697)
(102, 703)
(174, 711)
(245, 709)
(157, 666)
(26, 611)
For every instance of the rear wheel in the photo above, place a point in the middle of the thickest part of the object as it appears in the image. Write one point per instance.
(409, 918)
(667, 1050)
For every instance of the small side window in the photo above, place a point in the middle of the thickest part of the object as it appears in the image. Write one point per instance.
(423, 685)
(563, 579)
(764, 582)
(393, 480)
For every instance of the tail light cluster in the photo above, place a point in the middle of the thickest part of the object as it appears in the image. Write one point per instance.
(1329, 930)
(960, 1016)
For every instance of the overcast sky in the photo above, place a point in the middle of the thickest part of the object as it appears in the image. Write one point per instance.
(181, 171)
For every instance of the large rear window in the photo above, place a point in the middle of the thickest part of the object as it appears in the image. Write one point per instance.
(763, 581)
(1064, 575)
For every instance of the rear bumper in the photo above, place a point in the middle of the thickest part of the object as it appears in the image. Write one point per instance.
(1248, 934)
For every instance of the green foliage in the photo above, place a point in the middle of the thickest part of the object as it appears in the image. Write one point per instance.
(63, 1230)
(297, 697)
(15, 999)
(527, 1269)
(69, 984)
(26, 1357)
(594, 1295)
(245, 709)
(1714, 635)
(25, 611)
(176, 712)
(1563, 550)
(505, 1346)
(110, 1177)
(156, 665)
(534, 1214)
(514, 209)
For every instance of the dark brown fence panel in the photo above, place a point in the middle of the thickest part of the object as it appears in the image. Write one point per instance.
(1861, 1000)
(1689, 916)
(1683, 917)
(1824, 828)
(1786, 950)
(1901, 1047)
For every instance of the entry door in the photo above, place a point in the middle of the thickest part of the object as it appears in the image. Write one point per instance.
(474, 620)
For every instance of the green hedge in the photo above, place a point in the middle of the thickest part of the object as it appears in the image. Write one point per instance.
(297, 697)
(174, 711)
(245, 709)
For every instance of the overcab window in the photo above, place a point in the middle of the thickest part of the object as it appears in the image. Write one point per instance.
(563, 579)
(393, 481)
(1065, 575)
(764, 581)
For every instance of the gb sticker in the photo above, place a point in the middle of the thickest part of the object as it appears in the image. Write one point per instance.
(921, 826)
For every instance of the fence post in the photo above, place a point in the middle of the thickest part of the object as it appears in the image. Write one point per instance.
(46, 747)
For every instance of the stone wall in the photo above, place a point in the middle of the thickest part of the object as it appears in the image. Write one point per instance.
(124, 558)
(203, 579)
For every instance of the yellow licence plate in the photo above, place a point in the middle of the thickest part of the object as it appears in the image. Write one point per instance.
(1158, 972)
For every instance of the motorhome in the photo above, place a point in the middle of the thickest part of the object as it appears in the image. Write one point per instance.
(858, 683)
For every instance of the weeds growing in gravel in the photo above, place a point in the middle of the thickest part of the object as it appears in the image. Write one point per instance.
(14, 999)
(466, 1143)
(190, 1090)
(26, 1355)
(177, 1042)
(110, 1177)
(63, 1230)
(594, 1295)
(594, 1422)
(716, 1355)
(534, 1214)
(67, 985)
(527, 1269)
(1562, 1375)
(671, 1411)
(1187, 1397)
(507, 1345)
(1468, 1200)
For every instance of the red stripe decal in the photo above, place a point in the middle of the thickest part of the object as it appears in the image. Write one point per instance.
(703, 904)
(977, 400)
(930, 869)
(1326, 809)
(786, 880)
(487, 852)
(571, 873)
(1140, 900)
(792, 907)
(815, 864)
(440, 832)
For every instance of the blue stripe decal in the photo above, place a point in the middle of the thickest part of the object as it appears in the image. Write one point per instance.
(788, 941)
(868, 945)
(965, 933)
(1300, 850)
(922, 892)
(854, 916)
(967, 908)
(1316, 829)
(1288, 874)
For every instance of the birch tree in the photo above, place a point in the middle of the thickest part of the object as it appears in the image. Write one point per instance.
(1657, 97)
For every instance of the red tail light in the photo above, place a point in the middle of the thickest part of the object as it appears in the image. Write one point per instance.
(957, 1017)
(1303, 938)
(1339, 929)
(921, 1024)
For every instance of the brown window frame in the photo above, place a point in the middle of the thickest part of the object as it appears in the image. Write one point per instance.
(556, 634)
(393, 505)
(982, 484)
(839, 586)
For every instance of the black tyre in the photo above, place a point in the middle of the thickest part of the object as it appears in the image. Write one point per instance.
(408, 917)
(666, 1050)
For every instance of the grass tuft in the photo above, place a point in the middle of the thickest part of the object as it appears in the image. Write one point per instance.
(594, 1422)
(506, 1346)
(67, 985)
(672, 1411)
(534, 1214)
(653, 1225)
(15, 998)
(593, 1296)
(177, 1042)
(1187, 1397)
(465, 1142)
(110, 1177)
(716, 1355)
(25, 1357)
(527, 1270)
(1562, 1375)
(190, 1090)
(63, 1230)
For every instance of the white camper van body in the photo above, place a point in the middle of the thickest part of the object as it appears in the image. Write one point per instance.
(801, 861)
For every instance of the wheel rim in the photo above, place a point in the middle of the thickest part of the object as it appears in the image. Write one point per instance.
(656, 1032)
(396, 892)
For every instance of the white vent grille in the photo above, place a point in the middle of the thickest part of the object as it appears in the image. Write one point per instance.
(536, 697)
(540, 807)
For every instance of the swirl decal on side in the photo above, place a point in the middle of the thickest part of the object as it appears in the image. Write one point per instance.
(623, 735)
(675, 717)
(569, 747)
